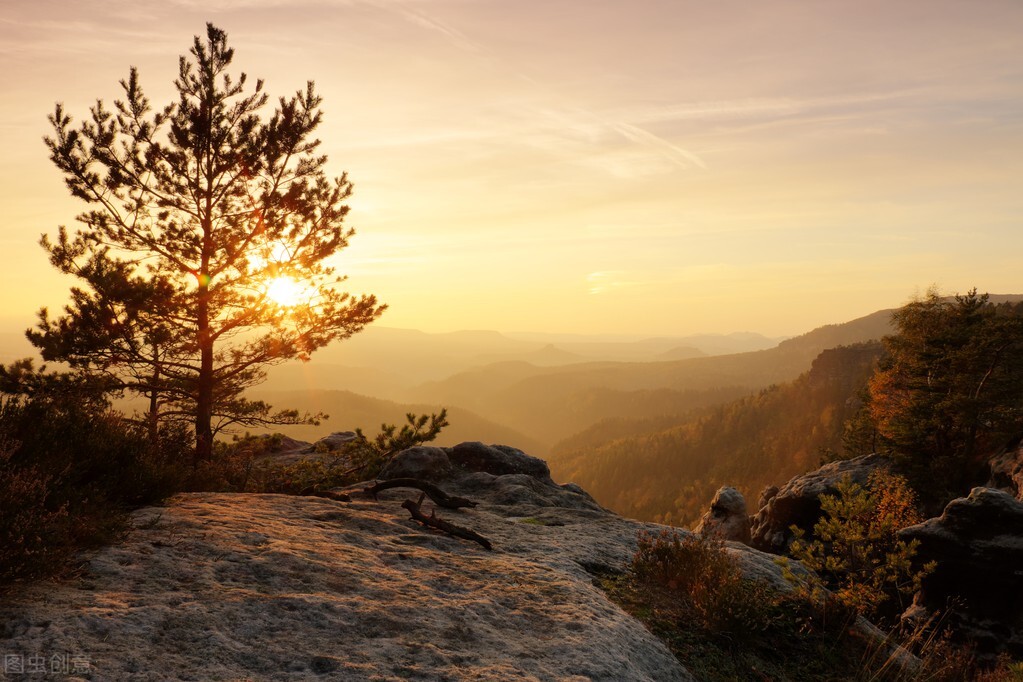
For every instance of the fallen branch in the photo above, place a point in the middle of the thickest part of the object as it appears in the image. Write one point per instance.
(440, 498)
(432, 521)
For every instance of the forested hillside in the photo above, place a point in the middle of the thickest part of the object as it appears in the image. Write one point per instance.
(651, 471)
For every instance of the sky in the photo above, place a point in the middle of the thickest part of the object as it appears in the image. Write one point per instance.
(651, 167)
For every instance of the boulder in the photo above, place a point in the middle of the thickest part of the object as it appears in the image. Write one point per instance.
(764, 567)
(497, 474)
(331, 442)
(797, 503)
(977, 543)
(727, 518)
(425, 462)
(498, 460)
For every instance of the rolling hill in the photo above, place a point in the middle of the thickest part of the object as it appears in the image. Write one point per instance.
(349, 410)
(552, 403)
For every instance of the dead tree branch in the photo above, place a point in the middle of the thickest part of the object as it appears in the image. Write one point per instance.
(432, 521)
(439, 497)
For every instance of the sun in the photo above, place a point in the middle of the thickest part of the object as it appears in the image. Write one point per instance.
(285, 292)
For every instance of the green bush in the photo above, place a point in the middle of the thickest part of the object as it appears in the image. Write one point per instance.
(855, 548)
(691, 592)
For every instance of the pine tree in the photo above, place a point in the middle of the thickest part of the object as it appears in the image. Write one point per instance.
(198, 213)
(950, 388)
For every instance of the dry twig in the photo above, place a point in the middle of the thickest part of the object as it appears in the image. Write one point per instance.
(432, 521)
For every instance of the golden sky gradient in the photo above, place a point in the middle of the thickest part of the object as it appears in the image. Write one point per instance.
(647, 167)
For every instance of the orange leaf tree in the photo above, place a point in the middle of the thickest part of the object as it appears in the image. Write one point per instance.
(950, 387)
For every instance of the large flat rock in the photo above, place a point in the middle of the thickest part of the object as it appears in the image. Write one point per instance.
(228, 587)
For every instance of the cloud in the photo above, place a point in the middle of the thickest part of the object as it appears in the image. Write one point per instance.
(682, 158)
(451, 34)
(761, 108)
(604, 281)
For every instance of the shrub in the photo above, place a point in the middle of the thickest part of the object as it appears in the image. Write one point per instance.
(691, 592)
(33, 527)
(69, 469)
(855, 548)
(707, 579)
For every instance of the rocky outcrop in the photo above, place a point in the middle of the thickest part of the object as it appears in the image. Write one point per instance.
(766, 495)
(727, 518)
(227, 587)
(331, 443)
(1007, 470)
(797, 503)
(977, 544)
(497, 474)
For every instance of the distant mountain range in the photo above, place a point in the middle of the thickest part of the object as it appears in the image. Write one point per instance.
(349, 410)
(531, 390)
(552, 403)
(389, 363)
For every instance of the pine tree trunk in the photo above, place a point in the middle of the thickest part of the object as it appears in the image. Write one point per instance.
(154, 401)
(154, 419)
(204, 389)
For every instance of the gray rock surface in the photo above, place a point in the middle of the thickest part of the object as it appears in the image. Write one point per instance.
(496, 473)
(443, 464)
(798, 501)
(727, 518)
(229, 587)
(331, 442)
(426, 462)
(977, 543)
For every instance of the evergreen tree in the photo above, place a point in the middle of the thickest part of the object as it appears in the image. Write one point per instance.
(950, 387)
(199, 213)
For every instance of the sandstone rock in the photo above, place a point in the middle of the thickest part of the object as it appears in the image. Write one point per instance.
(727, 518)
(287, 444)
(978, 546)
(498, 460)
(497, 474)
(757, 565)
(332, 442)
(226, 587)
(766, 495)
(229, 587)
(1007, 471)
(425, 462)
(798, 501)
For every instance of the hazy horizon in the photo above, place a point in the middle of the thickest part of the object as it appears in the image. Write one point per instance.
(666, 168)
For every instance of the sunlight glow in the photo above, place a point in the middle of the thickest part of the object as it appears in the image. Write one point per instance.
(286, 292)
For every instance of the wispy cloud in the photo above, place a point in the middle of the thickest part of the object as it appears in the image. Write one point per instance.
(429, 22)
(759, 108)
(682, 158)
